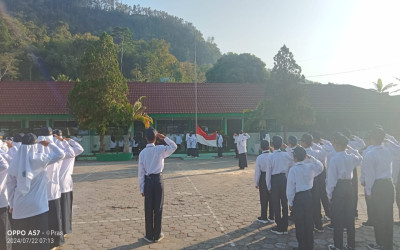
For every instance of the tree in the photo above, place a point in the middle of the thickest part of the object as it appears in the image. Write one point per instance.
(286, 98)
(234, 68)
(102, 93)
(8, 66)
(384, 89)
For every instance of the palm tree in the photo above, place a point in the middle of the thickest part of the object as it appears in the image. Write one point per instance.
(380, 88)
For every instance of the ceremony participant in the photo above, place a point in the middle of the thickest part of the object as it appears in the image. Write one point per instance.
(135, 146)
(4, 216)
(187, 139)
(340, 192)
(280, 162)
(113, 143)
(377, 166)
(356, 143)
(27, 184)
(363, 152)
(72, 149)
(319, 186)
(235, 137)
(299, 183)
(178, 141)
(53, 186)
(242, 149)
(260, 179)
(220, 140)
(121, 145)
(151, 165)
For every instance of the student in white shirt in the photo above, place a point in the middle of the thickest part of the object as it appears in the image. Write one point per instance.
(260, 180)
(242, 149)
(340, 192)
(72, 149)
(53, 187)
(121, 145)
(319, 187)
(187, 138)
(178, 139)
(220, 141)
(235, 137)
(4, 217)
(151, 165)
(298, 191)
(280, 162)
(377, 166)
(113, 143)
(27, 184)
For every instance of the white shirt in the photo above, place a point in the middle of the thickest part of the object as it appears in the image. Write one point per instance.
(317, 154)
(67, 166)
(151, 159)
(3, 182)
(34, 202)
(341, 166)
(113, 144)
(357, 143)
(377, 164)
(121, 143)
(262, 162)
(220, 141)
(267, 138)
(280, 162)
(235, 138)
(192, 141)
(242, 143)
(362, 175)
(178, 139)
(301, 177)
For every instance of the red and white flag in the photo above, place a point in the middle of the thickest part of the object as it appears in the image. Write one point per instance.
(206, 139)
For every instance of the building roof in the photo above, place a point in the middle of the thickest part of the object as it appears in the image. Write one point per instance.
(213, 98)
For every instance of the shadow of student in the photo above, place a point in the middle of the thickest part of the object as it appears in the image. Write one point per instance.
(140, 242)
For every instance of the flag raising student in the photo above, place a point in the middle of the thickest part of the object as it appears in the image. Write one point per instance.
(220, 141)
(27, 184)
(72, 149)
(340, 192)
(280, 162)
(4, 217)
(151, 165)
(298, 192)
(260, 179)
(377, 166)
(242, 149)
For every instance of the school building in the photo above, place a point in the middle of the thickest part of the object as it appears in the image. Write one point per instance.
(27, 106)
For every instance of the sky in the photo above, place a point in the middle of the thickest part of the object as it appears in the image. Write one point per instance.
(343, 41)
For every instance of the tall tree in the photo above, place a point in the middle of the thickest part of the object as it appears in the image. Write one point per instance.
(102, 93)
(234, 68)
(285, 97)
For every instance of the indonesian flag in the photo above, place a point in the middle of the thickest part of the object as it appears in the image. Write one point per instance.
(205, 139)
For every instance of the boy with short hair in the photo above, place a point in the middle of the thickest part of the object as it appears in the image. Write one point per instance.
(262, 162)
(340, 192)
(151, 165)
(298, 191)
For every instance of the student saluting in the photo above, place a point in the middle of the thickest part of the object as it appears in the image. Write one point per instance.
(299, 184)
(151, 165)
(340, 192)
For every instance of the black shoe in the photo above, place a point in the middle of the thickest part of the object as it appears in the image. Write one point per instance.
(275, 230)
(367, 224)
(262, 220)
(374, 247)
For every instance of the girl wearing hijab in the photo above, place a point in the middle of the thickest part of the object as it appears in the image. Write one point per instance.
(27, 185)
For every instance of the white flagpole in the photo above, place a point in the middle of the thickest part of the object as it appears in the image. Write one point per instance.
(195, 83)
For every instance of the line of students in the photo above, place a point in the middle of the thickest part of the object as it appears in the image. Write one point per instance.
(319, 171)
(36, 190)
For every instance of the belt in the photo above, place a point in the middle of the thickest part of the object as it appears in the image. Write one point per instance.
(278, 174)
(305, 191)
(152, 175)
(344, 181)
(262, 172)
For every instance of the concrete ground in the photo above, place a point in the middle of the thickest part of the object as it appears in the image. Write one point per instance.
(208, 204)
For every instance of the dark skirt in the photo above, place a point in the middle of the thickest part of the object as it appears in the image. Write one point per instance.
(55, 225)
(220, 152)
(31, 224)
(4, 227)
(66, 212)
(242, 160)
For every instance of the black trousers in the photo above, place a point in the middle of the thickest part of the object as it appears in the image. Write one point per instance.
(153, 205)
(319, 196)
(220, 152)
(398, 193)
(354, 182)
(279, 199)
(382, 199)
(343, 213)
(265, 199)
(34, 223)
(369, 209)
(55, 223)
(303, 214)
(4, 227)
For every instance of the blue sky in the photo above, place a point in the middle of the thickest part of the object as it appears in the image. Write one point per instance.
(342, 41)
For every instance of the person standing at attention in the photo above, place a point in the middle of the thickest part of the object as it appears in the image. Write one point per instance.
(151, 165)
(242, 149)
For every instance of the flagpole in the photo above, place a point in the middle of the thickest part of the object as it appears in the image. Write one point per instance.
(195, 83)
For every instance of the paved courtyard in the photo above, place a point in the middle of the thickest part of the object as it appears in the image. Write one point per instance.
(208, 204)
